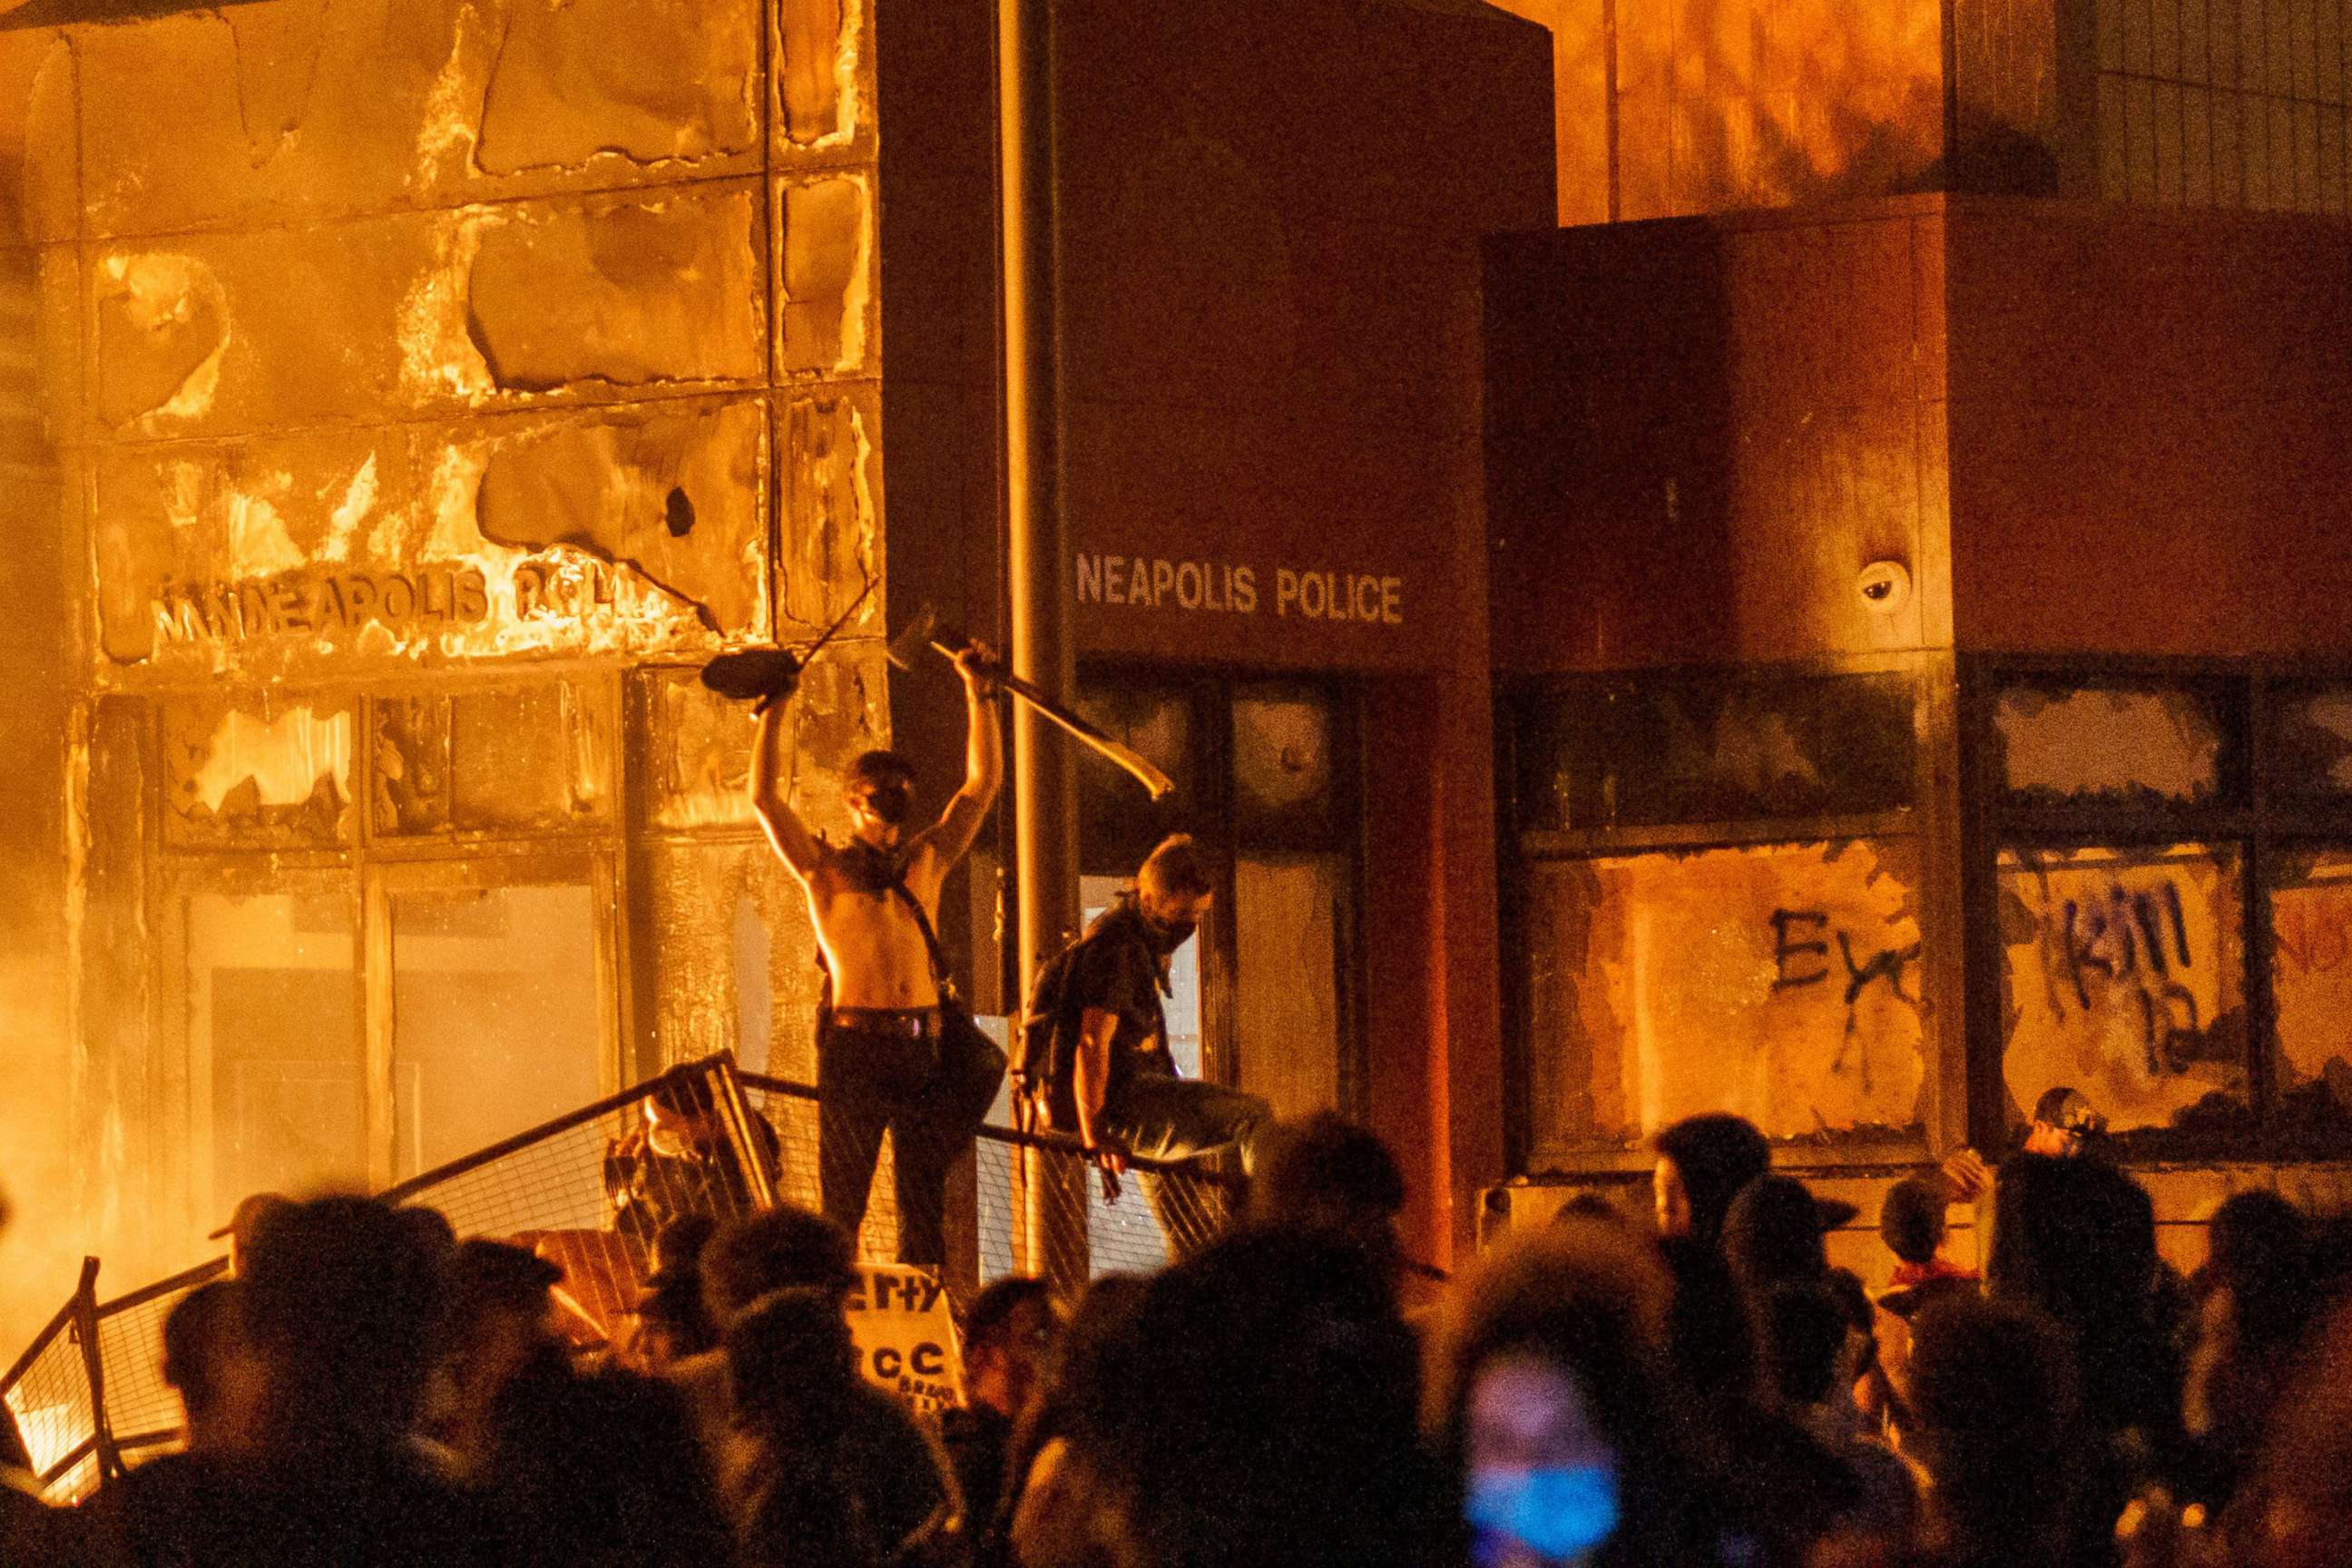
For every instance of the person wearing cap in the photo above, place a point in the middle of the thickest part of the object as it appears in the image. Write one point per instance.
(2064, 1126)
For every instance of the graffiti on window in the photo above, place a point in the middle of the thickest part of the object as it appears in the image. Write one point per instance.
(1780, 982)
(2311, 979)
(2122, 981)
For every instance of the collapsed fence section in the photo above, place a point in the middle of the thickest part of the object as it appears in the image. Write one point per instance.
(51, 1395)
(591, 1191)
(1037, 1208)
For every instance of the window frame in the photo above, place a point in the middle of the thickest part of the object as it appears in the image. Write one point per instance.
(1928, 821)
(1209, 693)
(365, 865)
(2249, 817)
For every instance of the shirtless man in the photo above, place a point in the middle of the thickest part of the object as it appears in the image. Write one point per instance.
(878, 1059)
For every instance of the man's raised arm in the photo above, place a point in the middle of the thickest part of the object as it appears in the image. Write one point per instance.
(952, 836)
(786, 830)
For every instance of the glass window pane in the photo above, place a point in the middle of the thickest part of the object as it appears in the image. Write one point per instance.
(1118, 821)
(274, 1025)
(258, 770)
(2311, 741)
(498, 1016)
(1283, 763)
(1286, 911)
(2311, 977)
(1689, 749)
(2116, 745)
(1780, 982)
(2123, 981)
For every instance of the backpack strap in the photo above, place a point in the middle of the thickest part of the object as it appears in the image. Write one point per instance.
(940, 975)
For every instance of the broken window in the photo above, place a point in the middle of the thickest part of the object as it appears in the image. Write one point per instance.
(261, 770)
(2123, 977)
(2311, 987)
(528, 759)
(2110, 744)
(2311, 741)
(1778, 982)
(1628, 753)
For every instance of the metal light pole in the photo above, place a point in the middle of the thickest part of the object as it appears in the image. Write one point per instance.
(1044, 652)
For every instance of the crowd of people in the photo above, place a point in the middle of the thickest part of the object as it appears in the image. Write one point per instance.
(1693, 1386)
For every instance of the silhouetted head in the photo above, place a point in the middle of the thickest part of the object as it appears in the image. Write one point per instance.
(2258, 1247)
(782, 1249)
(1992, 1395)
(205, 1356)
(342, 1300)
(790, 1360)
(1326, 1174)
(680, 1244)
(1911, 1218)
(251, 1210)
(1703, 1162)
(1257, 1407)
(1772, 1234)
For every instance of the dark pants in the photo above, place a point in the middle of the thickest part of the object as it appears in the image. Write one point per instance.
(1156, 1117)
(878, 1076)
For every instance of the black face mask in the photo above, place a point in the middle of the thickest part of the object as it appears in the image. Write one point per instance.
(1167, 936)
(891, 803)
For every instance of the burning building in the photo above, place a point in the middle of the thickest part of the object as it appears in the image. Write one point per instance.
(409, 398)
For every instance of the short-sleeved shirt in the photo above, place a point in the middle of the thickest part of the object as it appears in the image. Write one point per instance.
(1116, 972)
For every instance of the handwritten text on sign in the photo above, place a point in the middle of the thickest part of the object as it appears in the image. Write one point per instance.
(906, 1335)
(1221, 587)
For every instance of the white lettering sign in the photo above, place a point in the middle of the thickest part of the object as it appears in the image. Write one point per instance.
(1223, 587)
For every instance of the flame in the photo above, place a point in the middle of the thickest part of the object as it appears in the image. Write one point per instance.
(438, 357)
(359, 500)
(285, 757)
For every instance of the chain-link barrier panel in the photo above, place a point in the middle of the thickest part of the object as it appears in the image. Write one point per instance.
(591, 1192)
(1037, 1203)
(49, 1398)
(142, 1412)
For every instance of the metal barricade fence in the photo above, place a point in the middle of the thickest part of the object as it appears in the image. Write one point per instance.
(589, 1192)
(1038, 1207)
(142, 1414)
(50, 1400)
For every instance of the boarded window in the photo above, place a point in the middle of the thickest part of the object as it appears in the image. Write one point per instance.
(519, 759)
(2311, 977)
(1780, 982)
(2122, 980)
(1690, 749)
